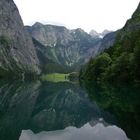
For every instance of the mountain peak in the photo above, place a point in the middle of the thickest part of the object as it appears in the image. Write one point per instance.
(38, 24)
(79, 30)
(95, 34)
(105, 32)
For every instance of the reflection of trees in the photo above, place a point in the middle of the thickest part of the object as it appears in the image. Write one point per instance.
(47, 106)
(60, 105)
(16, 105)
(122, 102)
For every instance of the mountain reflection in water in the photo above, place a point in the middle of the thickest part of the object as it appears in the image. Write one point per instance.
(39, 111)
(86, 132)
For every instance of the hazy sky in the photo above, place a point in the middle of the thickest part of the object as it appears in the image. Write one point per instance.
(85, 14)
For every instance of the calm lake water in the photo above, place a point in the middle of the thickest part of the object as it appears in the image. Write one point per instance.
(65, 111)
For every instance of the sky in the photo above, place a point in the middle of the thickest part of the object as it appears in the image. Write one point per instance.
(85, 14)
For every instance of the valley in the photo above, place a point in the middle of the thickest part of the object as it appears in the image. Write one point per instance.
(58, 83)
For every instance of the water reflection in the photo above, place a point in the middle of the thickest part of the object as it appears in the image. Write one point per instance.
(123, 102)
(63, 104)
(86, 132)
(57, 109)
(17, 101)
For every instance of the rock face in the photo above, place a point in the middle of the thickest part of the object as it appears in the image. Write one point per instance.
(65, 47)
(70, 48)
(17, 53)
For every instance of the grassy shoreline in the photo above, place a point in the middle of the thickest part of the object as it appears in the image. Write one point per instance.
(55, 77)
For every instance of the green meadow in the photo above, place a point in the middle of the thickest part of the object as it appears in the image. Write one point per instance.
(55, 77)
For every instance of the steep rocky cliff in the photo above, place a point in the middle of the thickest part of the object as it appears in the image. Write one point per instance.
(17, 53)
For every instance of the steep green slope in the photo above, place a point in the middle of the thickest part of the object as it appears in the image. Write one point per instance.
(121, 63)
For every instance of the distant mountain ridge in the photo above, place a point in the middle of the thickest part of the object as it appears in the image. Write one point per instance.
(63, 46)
(69, 48)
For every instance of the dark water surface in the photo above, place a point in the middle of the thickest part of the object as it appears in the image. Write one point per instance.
(64, 111)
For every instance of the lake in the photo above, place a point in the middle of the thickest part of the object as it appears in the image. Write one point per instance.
(65, 111)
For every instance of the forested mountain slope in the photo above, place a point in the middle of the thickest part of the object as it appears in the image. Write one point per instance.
(120, 63)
